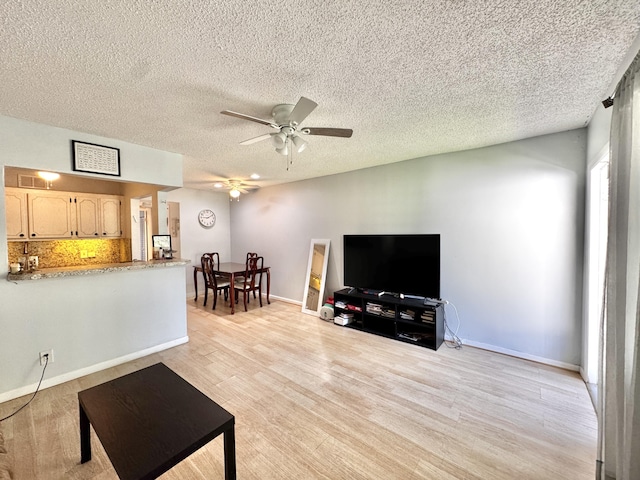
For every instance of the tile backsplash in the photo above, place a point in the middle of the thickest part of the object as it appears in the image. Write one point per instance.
(68, 253)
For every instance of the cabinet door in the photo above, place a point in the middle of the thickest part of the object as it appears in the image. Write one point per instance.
(110, 210)
(87, 216)
(50, 215)
(17, 220)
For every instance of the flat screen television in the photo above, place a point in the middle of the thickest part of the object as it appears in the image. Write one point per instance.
(407, 264)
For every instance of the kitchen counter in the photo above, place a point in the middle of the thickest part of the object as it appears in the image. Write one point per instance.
(81, 270)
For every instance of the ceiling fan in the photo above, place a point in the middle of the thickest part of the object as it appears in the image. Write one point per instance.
(286, 120)
(235, 187)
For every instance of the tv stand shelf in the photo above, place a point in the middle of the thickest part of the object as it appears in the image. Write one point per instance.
(407, 320)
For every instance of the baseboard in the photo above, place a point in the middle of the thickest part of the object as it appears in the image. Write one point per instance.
(191, 295)
(583, 374)
(65, 377)
(287, 300)
(525, 356)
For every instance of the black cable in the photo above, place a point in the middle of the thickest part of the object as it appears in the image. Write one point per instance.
(46, 362)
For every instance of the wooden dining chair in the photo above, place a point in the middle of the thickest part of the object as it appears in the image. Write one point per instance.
(251, 281)
(211, 280)
(251, 255)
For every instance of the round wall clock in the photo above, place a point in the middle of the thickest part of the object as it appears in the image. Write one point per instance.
(207, 218)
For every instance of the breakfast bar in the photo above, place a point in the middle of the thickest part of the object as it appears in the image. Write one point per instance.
(97, 269)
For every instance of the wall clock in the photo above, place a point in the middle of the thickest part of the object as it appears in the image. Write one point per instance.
(207, 218)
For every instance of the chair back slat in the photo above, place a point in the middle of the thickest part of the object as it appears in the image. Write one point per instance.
(208, 267)
(253, 271)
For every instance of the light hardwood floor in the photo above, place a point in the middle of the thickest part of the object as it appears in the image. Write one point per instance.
(313, 400)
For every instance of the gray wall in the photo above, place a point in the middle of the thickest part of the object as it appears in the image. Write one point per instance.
(511, 218)
(196, 240)
(90, 322)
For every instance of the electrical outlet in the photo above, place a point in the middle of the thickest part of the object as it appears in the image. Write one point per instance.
(83, 254)
(91, 254)
(43, 360)
(33, 262)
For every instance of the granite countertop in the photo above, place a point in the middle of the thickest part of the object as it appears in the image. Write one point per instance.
(80, 270)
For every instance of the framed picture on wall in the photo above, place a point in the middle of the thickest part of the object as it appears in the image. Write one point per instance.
(92, 158)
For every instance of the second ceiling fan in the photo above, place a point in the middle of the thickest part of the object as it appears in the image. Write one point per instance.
(286, 120)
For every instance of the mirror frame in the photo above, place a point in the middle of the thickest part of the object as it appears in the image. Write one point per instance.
(323, 279)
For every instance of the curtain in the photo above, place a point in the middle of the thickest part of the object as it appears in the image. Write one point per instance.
(619, 384)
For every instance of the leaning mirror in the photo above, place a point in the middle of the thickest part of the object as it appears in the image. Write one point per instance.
(315, 280)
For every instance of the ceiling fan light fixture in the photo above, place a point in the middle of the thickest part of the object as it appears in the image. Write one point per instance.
(234, 193)
(279, 140)
(299, 143)
(284, 150)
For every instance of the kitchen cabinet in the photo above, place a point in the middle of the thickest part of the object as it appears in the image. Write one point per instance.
(16, 209)
(87, 216)
(110, 208)
(98, 215)
(46, 214)
(51, 214)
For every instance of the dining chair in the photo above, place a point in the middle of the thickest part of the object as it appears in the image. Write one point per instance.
(251, 281)
(211, 280)
(249, 256)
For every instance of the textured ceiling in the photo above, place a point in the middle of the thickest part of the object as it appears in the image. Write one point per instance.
(411, 78)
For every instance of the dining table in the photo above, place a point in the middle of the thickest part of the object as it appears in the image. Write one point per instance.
(231, 270)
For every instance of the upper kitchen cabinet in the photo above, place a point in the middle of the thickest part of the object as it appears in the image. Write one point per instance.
(88, 215)
(98, 215)
(17, 219)
(110, 208)
(51, 214)
(46, 214)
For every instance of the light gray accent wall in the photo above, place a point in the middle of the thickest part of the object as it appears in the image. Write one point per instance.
(196, 240)
(511, 219)
(86, 321)
(41, 147)
(89, 320)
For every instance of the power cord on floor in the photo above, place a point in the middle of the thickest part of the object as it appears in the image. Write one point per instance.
(454, 341)
(46, 362)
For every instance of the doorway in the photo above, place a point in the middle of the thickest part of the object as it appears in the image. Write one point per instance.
(142, 227)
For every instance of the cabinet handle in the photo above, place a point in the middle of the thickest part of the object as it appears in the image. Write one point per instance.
(33, 234)
(96, 233)
(22, 234)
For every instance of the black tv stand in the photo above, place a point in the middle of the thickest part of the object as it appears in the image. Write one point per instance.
(405, 319)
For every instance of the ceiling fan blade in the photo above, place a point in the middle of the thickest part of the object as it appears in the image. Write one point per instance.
(302, 109)
(256, 139)
(329, 132)
(242, 190)
(248, 117)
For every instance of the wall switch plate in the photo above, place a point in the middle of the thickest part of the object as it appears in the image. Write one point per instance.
(83, 254)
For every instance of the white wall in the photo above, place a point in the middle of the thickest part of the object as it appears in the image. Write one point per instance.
(511, 218)
(92, 321)
(196, 240)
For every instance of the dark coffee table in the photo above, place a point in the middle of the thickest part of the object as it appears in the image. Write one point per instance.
(150, 420)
